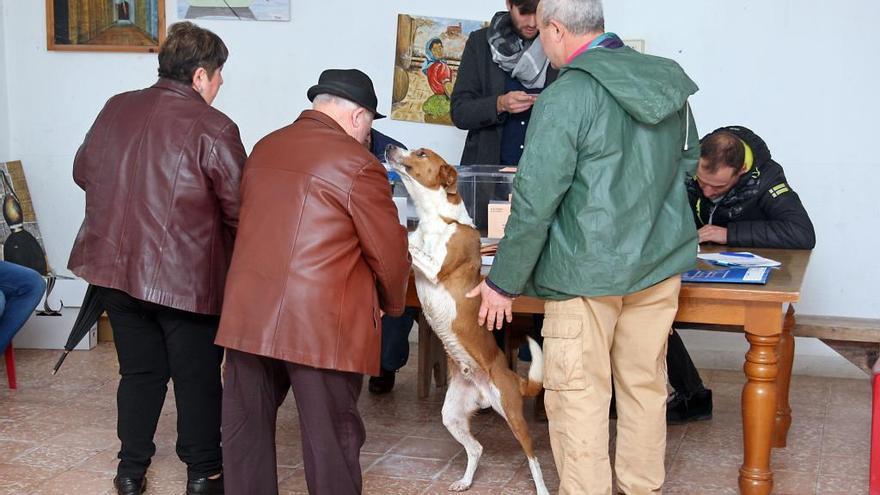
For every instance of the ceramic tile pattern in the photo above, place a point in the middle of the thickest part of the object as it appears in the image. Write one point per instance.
(57, 435)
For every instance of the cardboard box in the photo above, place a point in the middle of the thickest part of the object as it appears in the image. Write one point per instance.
(498, 214)
(481, 187)
(51, 332)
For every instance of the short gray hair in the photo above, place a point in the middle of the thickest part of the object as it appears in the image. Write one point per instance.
(578, 16)
(328, 99)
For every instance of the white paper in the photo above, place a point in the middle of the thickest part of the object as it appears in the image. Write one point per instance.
(742, 259)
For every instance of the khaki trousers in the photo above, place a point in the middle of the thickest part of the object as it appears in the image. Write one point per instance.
(588, 341)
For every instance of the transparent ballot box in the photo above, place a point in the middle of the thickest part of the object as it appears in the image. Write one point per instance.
(485, 190)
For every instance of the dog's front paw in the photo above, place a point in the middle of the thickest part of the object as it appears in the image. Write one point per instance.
(459, 486)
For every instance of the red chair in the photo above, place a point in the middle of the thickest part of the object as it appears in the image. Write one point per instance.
(10, 365)
(875, 433)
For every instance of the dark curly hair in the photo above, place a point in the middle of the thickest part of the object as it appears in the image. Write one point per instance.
(187, 48)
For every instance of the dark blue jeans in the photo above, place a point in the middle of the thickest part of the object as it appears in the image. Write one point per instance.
(20, 291)
(395, 339)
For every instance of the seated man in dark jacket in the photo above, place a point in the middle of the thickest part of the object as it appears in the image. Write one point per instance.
(740, 198)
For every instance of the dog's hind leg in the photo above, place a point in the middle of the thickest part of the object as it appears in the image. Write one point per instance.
(507, 401)
(462, 399)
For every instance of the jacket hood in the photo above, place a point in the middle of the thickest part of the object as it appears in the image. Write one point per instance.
(759, 148)
(648, 88)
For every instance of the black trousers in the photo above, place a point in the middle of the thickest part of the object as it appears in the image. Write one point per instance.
(683, 375)
(154, 344)
(330, 425)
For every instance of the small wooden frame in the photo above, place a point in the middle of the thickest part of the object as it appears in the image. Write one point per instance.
(105, 25)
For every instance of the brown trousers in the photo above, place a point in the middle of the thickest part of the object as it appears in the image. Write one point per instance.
(330, 424)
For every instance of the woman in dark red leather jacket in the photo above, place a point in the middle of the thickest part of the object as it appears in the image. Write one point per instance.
(161, 170)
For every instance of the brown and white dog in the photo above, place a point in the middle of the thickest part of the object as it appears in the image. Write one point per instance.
(445, 251)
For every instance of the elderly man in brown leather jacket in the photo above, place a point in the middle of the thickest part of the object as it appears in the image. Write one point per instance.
(318, 257)
(160, 168)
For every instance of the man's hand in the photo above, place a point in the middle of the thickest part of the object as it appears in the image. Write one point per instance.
(515, 102)
(495, 307)
(713, 233)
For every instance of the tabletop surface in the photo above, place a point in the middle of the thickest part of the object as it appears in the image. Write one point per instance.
(783, 285)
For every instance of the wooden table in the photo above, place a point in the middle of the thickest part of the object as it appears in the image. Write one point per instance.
(760, 310)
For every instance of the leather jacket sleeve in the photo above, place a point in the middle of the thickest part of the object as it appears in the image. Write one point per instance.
(786, 224)
(382, 238)
(470, 108)
(224, 168)
(81, 172)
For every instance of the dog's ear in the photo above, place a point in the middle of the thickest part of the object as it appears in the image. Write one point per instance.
(449, 179)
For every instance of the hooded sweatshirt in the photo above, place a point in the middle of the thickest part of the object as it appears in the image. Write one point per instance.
(599, 207)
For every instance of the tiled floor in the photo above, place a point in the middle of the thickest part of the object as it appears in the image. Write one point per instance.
(57, 436)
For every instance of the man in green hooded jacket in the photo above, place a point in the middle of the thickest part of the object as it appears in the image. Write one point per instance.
(600, 227)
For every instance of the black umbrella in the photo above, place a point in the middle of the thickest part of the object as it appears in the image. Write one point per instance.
(89, 313)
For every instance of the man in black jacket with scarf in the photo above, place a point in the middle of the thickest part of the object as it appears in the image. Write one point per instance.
(740, 198)
(503, 69)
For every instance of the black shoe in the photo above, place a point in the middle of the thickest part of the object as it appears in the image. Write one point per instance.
(383, 383)
(682, 409)
(205, 486)
(130, 486)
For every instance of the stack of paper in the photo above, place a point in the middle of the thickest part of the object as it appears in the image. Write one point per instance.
(741, 259)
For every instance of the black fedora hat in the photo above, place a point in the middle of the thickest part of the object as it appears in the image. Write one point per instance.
(350, 84)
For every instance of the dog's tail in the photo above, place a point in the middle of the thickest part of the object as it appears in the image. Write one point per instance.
(532, 386)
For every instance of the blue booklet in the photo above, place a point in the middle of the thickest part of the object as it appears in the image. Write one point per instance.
(728, 275)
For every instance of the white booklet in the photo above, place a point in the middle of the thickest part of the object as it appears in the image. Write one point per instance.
(738, 259)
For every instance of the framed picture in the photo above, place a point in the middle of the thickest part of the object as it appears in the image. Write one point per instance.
(637, 45)
(234, 10)
(105, 25)
(426, 62)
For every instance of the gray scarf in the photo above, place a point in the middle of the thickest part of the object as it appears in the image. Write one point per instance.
(524, 61)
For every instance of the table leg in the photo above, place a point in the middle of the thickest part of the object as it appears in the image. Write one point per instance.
(439, 361)
(783, 381)
(423, 378)
(432, 359)
(758, 407)
(509, 351)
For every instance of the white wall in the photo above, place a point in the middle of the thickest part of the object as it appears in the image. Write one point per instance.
(800, 73)
(4, 105)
